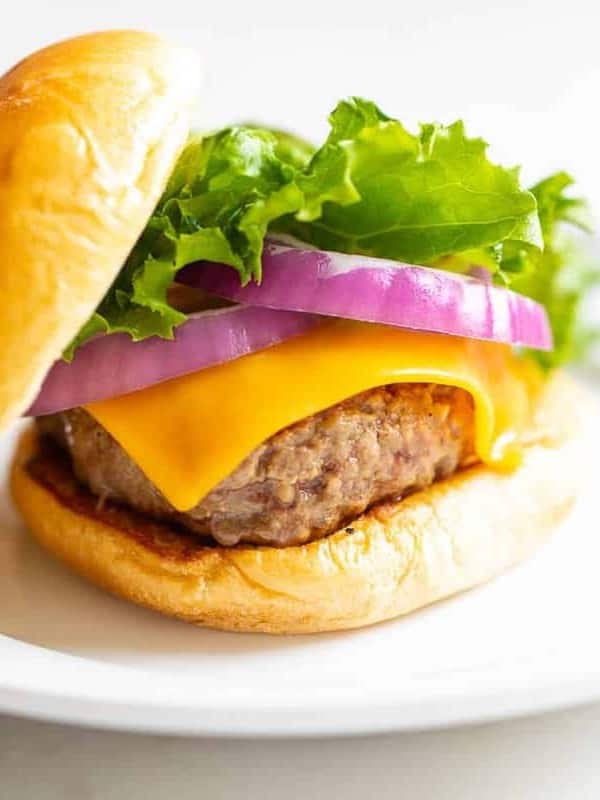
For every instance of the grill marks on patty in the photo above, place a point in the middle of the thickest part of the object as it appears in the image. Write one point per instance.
(305, 481)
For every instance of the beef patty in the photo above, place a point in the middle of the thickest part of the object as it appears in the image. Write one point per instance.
(305, 481)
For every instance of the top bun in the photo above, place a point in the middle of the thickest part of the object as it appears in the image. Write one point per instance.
(90, 129)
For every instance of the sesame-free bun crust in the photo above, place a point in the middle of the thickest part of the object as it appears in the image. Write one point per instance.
(89, 132)
(392, 560)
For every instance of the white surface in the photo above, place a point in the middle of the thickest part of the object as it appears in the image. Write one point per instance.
(554, 757)
(518, 645)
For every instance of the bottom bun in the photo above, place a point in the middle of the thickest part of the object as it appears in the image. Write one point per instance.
(392, 560)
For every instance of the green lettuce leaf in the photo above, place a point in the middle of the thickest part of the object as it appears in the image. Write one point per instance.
(421, 197)
(291, 148)
(373, 187)
(560, 277)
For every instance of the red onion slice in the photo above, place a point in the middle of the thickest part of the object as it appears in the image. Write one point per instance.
(113, 365)
(377, 290)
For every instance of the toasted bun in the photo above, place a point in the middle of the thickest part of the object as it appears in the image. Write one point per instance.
(390, 561)
(89, 131)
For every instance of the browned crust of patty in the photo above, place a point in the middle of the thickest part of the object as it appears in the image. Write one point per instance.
(399, 557)
(49, 466)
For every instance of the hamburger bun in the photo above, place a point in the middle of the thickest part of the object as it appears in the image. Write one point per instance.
(392, 560)
(89, 131)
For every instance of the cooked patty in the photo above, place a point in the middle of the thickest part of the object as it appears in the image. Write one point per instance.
(305, 481)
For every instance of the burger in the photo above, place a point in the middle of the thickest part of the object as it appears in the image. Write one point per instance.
(277, 386)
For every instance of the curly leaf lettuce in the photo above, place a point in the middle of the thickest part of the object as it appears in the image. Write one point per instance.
(218, 203)
(561, 276)
(420, 197)
(431, 198)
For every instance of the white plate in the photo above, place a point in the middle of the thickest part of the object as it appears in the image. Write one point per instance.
(525, 643)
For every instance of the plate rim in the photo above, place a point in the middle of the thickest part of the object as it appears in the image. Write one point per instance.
(130, 699)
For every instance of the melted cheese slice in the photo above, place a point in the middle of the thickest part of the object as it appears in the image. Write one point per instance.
(189, 433)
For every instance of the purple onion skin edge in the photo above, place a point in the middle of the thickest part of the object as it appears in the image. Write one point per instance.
(377, 290)
(113, 365)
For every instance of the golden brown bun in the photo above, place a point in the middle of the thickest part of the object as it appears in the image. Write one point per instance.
(89, 131)
(393, 560)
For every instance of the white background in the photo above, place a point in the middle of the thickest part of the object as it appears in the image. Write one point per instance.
(525, 75)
